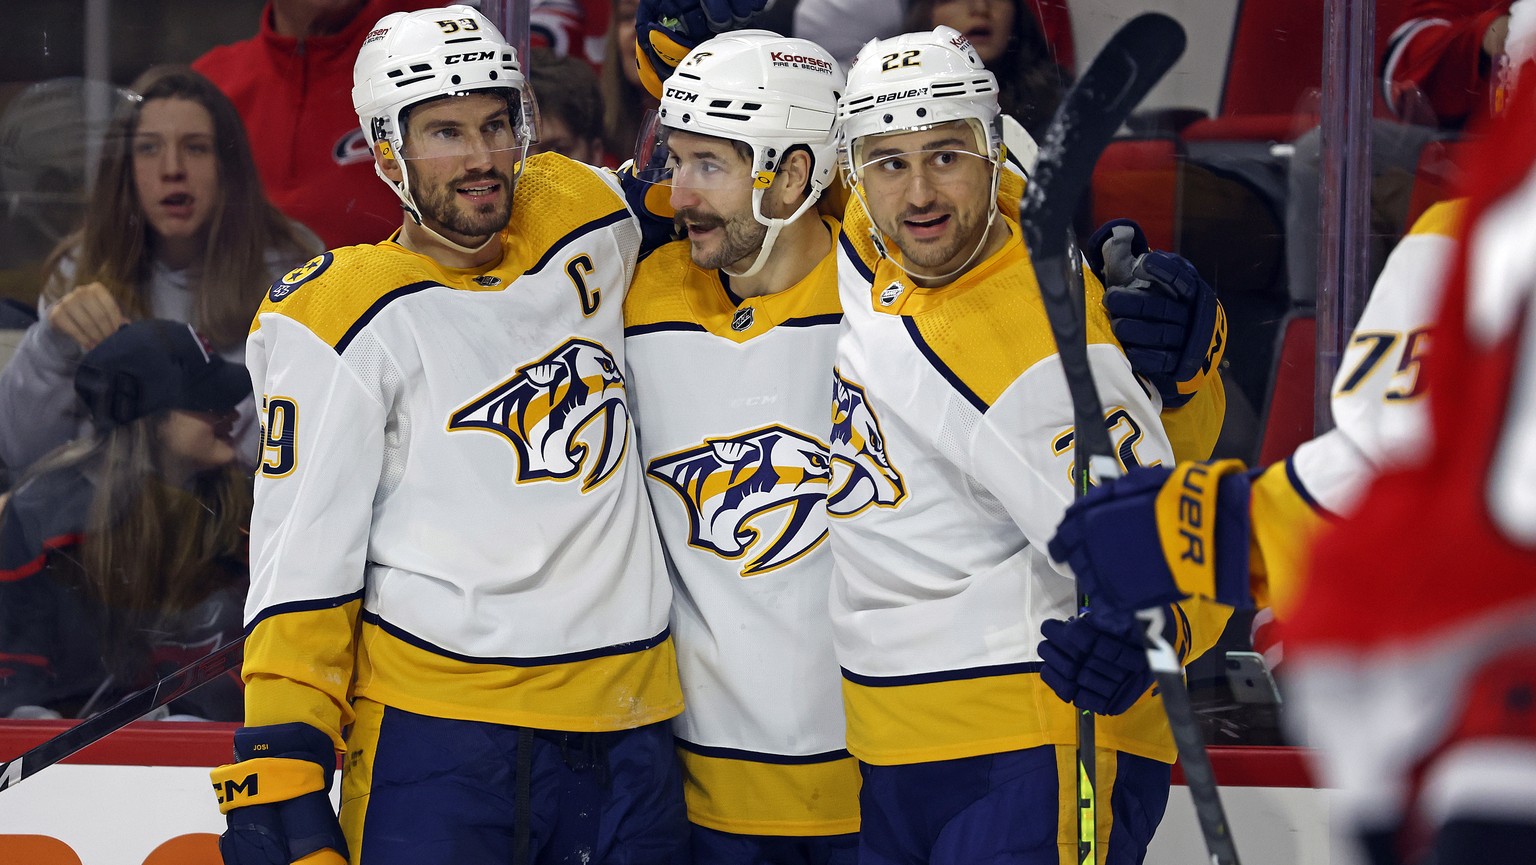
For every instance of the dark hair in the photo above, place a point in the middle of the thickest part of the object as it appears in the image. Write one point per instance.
(115, 245)
(566, 87)
(1030, 83)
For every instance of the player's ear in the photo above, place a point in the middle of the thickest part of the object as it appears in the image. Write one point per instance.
(384, 155)
(794, 176)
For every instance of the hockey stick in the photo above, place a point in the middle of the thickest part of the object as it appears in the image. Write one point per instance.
(124, 712)
(1128, 66)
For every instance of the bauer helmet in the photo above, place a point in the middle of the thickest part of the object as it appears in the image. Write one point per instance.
(914, 81)
(409, 58)
(772, 93)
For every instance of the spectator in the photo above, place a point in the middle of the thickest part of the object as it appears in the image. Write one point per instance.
(177, 228)
(292, 84)
(1012, 45)
(1440, 62)
(123, 554)
(843, 26)
(625, 99)
(570, 107)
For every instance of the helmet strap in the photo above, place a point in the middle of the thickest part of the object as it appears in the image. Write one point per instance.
(775, 225)
(878, 236)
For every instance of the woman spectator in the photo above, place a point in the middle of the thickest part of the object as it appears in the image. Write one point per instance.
(177, 227)
(123, 554)
(1009, 39)
(624, 98)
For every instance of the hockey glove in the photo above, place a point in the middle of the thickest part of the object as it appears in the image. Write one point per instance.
(1095, 663)
(1156, 536)
(666, 30)
(1166, 317)
(277, 798)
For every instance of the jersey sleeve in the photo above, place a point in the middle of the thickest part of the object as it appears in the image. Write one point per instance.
(1438, 50)
(323, 449)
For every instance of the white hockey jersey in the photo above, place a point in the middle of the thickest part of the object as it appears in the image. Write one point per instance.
(1379, 412)
(952, 450)
(731, 400)
(449, 519)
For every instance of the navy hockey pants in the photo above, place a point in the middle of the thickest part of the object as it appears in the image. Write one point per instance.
(713, 847)
(418, 790)
(1015, 808)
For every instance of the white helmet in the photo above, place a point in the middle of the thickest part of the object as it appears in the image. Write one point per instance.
(771, 93)
(411, 57)
(914, 81)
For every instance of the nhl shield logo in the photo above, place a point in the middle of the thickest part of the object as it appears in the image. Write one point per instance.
(563, 412)
(891, 292)
(756, 492)
(743, 319)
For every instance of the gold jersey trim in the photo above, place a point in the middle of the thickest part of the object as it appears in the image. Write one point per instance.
(750, 797)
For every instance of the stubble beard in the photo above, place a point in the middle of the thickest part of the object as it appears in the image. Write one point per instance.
(442, 206)
(966, 232)
(743, 236)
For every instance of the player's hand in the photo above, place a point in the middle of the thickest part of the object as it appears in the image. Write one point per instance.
(87, 315)
(1095, 662)
(1166, 317)
(276, 799)
(666, 30)
(1156, 536)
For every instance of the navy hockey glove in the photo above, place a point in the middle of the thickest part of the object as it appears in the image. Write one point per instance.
(1166, 317)
(666, 30)
(1156, 536)
(276, 799)
(1095, 663)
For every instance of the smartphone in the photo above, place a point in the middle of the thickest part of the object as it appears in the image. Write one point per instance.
(1250, 680)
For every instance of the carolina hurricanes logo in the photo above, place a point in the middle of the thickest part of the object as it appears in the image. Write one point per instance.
(545, 411)
(732, 485)
(863, 474)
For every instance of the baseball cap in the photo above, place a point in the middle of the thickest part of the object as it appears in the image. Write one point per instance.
(154, 365)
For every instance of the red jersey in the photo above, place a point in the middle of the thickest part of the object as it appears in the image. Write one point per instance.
(1438, 50)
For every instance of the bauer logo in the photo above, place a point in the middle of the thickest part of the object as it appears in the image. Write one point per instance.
(862, 472)
(903, 94)
(299, 275)
(753, 493)
(561, 413)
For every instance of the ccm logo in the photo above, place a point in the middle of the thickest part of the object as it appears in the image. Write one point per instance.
(230, 789)
(905, 94)
(682, 95)
(468, 58)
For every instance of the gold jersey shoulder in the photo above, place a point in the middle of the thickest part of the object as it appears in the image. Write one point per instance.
(555, 199)
(658, 293)
(1443, 218)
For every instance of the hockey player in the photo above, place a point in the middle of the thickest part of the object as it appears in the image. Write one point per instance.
(729, 339)
(952, 452)
(455, 576)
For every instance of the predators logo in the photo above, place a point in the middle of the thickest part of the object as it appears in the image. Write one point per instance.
(729, 483)
(546, 409)
(864, 475)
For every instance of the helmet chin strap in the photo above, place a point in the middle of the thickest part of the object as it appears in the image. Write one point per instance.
(775, 225)
(876, 235)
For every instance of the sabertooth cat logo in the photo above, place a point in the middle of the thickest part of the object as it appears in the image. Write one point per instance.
(758, 492)
(863, 474)
(556, 412)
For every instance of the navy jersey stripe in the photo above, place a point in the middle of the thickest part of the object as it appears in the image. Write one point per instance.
(760, 757)
(302, 606)
(949, 374)
(601, 222)
(378, 307)
(659, 326)
(541, 661)
(943, 675)
(813, 320)
(1301, 489)
(853, 255)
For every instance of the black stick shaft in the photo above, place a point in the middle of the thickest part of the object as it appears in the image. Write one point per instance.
(124, 712)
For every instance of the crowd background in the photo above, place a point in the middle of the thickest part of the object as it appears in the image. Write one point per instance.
(1220, 165)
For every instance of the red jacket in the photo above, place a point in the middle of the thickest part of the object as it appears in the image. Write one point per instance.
(295, 97)
(1438, 50)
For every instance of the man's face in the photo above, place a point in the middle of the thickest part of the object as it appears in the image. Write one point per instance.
(555, 136)
(929, 191)
(461, 152)
(712, 194)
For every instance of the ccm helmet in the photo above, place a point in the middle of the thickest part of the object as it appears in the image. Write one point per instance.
(769, 92)
(412, 57)
(914, 81)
